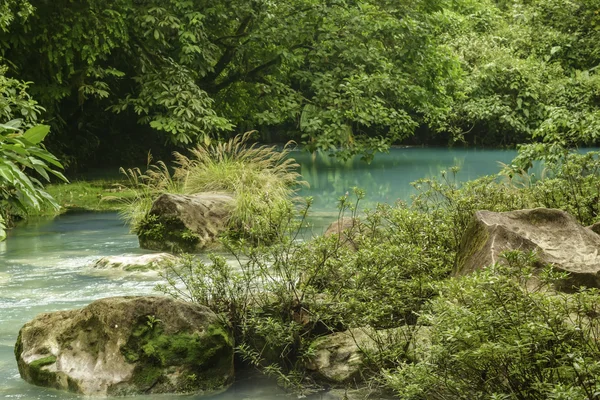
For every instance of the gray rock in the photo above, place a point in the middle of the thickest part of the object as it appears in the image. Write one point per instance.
(126, 346)
(187, 223)
(339, 358)
(554, 234)
(138, 264)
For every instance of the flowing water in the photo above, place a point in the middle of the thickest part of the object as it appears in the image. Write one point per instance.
(43, 263)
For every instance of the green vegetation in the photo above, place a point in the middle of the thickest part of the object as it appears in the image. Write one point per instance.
(207, 357)
(262, 179)
(494, 335)
(39, 374)
(344, 76)
(96, 195)
(21, 153)
(490, 335)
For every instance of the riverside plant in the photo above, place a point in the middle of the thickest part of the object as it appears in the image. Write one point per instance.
(263, 180)
(281, 298)
(501, 334)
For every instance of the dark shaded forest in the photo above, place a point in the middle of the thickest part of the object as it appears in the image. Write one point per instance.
(115, 80)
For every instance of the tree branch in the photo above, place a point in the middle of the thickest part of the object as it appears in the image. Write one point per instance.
(228, 55)
(254, 72)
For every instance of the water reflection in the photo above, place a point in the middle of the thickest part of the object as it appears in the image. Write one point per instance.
(389, 175)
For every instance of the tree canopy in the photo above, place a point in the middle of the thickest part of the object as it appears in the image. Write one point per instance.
(347, 76)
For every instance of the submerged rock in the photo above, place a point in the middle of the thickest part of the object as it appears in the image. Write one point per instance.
(126, 346)
(555, 235)
(339, 358)
(187, 223)
(146, 263)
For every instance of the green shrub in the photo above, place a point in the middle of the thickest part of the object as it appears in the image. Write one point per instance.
(501, 334)
(263, 179)
(570, 180)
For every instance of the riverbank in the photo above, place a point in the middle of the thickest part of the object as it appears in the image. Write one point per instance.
(88, 195)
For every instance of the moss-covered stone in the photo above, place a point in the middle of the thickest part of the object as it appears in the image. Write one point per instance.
(555, 236)
(187, 223)
(204, 358)
(127, 346)
(166, 233)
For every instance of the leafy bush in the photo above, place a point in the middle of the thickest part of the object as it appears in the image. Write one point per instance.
(570, 180)
(500, 334)
(21, 157)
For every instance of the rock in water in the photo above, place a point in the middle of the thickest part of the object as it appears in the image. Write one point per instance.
(555, 235)
(135, 263)
(126, 346)
(187, 223)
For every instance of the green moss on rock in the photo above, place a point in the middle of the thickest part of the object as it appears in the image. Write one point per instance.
(166, 233)
(205, 358)
(19, 346)
(39, 374)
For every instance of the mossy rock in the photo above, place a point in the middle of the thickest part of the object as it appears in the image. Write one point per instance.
(555, 236)
(144, 265)
(185, 223)
(127, 346)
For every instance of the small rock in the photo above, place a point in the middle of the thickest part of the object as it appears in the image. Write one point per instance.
(339, 358)
(147, 263)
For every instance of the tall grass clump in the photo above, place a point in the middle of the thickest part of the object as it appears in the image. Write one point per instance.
(263, 179)
(148, 185)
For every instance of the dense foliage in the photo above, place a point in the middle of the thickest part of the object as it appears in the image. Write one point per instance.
(23, 159)
(490, 335)
(342, 75)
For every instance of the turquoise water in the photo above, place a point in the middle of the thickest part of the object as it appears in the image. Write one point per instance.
(43, 264)
(388, 177)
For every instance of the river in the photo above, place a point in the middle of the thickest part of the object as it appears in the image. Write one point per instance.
(43, 263)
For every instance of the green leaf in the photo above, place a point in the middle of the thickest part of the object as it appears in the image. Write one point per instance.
(36, 134)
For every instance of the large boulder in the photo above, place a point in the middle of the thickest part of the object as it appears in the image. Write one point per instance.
(339, 358)
(187, 223)
(144, 265)
(555, 235)
(128, 345)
